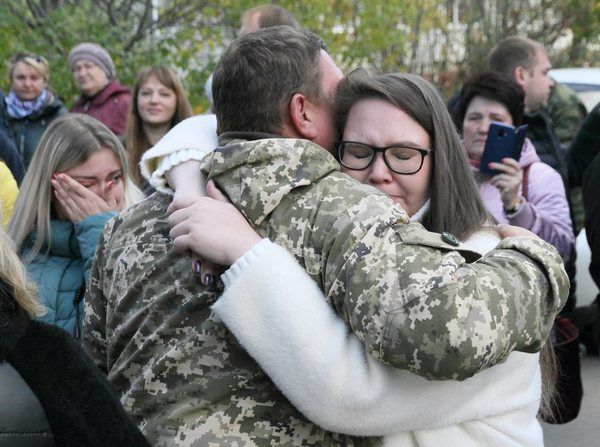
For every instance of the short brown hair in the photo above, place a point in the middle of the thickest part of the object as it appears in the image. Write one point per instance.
(513, 52)
(455, 203)
(272, 15)
(258, 74)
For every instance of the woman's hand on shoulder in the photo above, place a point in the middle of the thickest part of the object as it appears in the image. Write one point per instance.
(504, 230)
(75, 202)
(508, 181)
(210, 227)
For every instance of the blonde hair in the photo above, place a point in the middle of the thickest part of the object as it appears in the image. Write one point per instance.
(67, 143)
(136, 140)
(13, 281)
(38, 63)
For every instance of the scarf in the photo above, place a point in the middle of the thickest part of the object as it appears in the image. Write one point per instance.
(18, 109)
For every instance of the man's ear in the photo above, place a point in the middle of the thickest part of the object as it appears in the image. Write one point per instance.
(301, 116)
(519, 75)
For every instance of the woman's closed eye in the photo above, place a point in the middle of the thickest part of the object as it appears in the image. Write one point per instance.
(403, 154)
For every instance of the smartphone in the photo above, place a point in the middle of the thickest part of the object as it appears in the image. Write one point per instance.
(503, 141)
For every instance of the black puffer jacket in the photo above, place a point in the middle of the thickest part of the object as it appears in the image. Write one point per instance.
(51, 393)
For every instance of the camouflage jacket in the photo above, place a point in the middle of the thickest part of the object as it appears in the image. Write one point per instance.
(567, 113)
(409, 296)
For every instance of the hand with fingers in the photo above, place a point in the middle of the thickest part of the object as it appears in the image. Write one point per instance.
(210, 228)
(75, 202)
(508, 182)
(504, 231)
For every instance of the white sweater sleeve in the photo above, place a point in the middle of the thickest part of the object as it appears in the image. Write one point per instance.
(281, 318)
(191, 139)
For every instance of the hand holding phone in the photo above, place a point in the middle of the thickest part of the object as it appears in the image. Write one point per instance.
(503, 141)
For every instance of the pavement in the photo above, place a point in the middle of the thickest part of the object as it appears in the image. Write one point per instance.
(584, 431)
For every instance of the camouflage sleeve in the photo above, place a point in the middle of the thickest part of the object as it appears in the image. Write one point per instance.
(94, 313)
(567, 113)
(417, 304)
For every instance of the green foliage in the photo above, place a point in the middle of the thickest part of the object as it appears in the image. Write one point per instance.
(442, 40)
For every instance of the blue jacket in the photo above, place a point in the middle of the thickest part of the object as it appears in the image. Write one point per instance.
(62, 273)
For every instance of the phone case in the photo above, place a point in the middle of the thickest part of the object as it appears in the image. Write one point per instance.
(503, 141)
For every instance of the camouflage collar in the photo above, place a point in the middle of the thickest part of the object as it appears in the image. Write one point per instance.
(257, 175)
(227, 137)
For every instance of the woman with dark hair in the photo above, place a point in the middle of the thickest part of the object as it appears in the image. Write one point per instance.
(51, 394)
(160, 102)
(396, 135)
(30, 107)
(526, 193)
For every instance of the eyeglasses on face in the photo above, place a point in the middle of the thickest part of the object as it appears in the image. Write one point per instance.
(400, 159)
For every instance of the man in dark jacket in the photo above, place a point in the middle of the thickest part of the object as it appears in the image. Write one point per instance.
(526, 61)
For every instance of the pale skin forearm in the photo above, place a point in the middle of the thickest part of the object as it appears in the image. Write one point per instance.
(186, 177)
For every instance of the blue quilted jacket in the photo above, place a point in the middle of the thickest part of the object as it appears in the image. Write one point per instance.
(62, 268)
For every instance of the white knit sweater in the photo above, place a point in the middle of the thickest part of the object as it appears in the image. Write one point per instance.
(191, 139)
(281, 318)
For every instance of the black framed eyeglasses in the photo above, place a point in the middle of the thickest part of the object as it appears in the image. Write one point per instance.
(400, 159)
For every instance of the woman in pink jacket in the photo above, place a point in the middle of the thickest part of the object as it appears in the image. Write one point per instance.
(527, 193)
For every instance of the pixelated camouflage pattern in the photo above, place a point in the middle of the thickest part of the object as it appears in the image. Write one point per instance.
(409, 296)
(567, 113)
(180, 373)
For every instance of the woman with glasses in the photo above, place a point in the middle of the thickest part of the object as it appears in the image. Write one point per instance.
(396, 135)
(30, 106)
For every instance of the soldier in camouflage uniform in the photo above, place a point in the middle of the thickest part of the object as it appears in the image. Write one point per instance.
(526, 61)
(567, 113)
(412, 298)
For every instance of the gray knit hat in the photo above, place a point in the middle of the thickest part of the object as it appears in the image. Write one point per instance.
(95, 53)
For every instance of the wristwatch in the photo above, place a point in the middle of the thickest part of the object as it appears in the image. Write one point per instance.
(516, 205)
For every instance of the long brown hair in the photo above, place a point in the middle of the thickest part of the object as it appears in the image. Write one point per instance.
(455, 204)
(136, 141)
